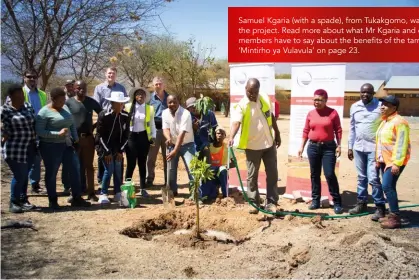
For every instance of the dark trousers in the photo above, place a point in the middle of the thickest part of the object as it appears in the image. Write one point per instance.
(53, 154)
(137, 151)
(323, 155)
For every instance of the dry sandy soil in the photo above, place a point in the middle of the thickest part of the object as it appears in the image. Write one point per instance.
(151, 241)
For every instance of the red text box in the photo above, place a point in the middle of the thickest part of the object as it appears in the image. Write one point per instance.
(323, 34)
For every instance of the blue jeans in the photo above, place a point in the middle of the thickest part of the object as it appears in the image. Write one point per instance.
(35, 170)
(209, 188)
(389, 187)
(53, 154)
(368, 173)
(20, 170)
(66, 174)
(323, 155)
(114, 168)
(186, 152)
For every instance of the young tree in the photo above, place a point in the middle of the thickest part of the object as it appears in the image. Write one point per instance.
(201, 172)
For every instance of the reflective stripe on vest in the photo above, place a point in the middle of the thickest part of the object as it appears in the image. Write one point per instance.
(148, 110)
(217, 158)
(246, 122)
(42, 97)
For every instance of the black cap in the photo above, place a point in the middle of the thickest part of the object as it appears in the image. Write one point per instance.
(69, 82)
(390, 99)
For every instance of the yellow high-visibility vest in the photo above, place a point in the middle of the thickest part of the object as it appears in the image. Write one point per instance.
(244, 136)
(149, 110)
(42, 97)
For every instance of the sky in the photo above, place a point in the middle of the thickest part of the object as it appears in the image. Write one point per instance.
(206, 20)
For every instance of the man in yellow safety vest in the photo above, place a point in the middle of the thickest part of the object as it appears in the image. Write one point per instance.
(254, 115)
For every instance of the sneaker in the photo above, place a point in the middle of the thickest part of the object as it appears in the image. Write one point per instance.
(380, 213)
(78, 201)
(338, 209)
(314, 205)
(361, 207)
(15, 208)
(117, 197)
(92, 198)
(144, 193)
(271, 208)
(103, 199)
(392, 222)
(26, 205)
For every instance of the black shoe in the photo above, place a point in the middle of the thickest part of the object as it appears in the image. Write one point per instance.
(338, 209)
(36, 188)
(361, 207)
(26, 205)
(78, 201)
(380, 212)
(15, 208)
(314, 205)
(53, 203)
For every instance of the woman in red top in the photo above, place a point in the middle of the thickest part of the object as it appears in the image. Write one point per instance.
(321, 128)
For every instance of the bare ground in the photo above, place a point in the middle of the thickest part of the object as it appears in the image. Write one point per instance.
(151, 241)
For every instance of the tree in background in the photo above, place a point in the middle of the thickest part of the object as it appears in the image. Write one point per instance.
(41, 34)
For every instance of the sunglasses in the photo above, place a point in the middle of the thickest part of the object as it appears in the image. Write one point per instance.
(318, 100)
(31, 77)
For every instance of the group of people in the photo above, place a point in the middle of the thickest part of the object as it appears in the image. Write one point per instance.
(62, 133)
(378, 141)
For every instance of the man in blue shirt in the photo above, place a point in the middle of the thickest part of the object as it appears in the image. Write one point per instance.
(201, 126)
(102, 91)
(365, 118)
(159, 101)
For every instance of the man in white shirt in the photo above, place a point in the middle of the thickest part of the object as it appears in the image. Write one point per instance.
(178, 131)
(254, 114)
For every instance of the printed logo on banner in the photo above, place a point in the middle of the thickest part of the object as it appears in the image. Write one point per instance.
(240, 78)
(304, 79)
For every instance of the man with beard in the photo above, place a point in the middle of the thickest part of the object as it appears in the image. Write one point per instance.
(365, 118)
(178, 131)
(82, 107)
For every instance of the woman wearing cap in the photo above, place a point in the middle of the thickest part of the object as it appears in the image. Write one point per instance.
(392, 155)
(321, 128)
(111, 140)
(53, 124)
(143, 133)
(19, 142)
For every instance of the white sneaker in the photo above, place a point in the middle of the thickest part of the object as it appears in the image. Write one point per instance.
(117, 197)
(103, 199)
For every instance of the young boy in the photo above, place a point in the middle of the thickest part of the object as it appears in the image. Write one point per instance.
(218, 158)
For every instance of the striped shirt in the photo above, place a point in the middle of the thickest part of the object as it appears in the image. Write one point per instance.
(19, 126)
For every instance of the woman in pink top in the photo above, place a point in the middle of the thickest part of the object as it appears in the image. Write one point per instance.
(321, 129)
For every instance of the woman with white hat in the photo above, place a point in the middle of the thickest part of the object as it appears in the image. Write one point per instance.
(143, 133)
(111, 140)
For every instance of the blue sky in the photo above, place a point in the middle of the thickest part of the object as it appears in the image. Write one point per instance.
(206, 20)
